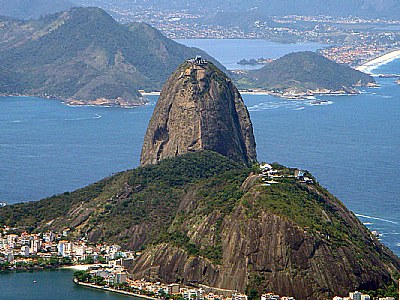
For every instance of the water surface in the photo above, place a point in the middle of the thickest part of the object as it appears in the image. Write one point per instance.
(230, 51)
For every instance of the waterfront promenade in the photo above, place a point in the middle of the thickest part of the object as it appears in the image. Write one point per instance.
(108, 289)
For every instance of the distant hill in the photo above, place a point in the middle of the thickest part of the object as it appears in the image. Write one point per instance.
(302, 71)
(9, 81)
(29, 9)
(84, 54)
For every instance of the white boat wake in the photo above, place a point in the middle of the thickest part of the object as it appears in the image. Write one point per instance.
(97, 116)
(375, 218)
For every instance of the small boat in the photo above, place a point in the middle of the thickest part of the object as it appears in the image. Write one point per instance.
(34, 281)
(319, 102)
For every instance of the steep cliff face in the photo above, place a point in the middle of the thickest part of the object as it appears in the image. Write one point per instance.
(199, 109)
(313, 252)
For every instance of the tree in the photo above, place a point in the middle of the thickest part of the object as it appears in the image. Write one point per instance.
(82, 276)
(252, 294)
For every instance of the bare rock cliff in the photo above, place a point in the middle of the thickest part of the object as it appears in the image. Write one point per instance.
(268, 251)
(199, 109)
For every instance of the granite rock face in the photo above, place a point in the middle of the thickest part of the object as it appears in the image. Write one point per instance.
(270, 252)
(199, 109)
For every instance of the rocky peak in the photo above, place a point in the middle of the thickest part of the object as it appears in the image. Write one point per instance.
(199, 109)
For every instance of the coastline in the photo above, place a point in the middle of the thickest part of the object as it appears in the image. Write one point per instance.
(100, 102)
(38, 268)
(108, 289)
(371, 65)
(150, 93)
(309, 95)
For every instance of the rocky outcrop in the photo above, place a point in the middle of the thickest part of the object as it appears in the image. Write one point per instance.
(199, 109)
(270, 252)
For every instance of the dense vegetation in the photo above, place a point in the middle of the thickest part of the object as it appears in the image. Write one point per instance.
(151, 195)
(303, 71)
(85, 54)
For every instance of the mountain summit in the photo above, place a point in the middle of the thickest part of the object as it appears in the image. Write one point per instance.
(85, 55)
(199, 109)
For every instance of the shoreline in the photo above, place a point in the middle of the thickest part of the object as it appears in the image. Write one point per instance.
(62, 267)
(101, 102)
(108, 289)
(384, 59)
(150, 93)
(310, 95)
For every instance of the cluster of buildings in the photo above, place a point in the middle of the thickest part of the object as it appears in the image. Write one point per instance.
(115, 274)
(360, 296)
(27, 247)
(272, 296)
(351, 20)
(194, 23)
(271, 176)
(354, 296)
(356, 55)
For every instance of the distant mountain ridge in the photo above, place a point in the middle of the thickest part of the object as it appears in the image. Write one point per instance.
(84, 54)
(30, 9)
(360, 8)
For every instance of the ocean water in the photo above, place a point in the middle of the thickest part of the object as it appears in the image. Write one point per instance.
(47, 147)
(230, 51)
(350, 143)
(50, 285)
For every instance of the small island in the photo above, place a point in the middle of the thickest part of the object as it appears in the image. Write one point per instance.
(253, 61)
(300, 75)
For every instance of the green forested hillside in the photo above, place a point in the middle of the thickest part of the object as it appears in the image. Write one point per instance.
(305, 71)
(84, 54)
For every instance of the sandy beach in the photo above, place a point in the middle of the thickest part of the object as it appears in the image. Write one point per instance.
(82, 267)
(150, 93)
(368, 67)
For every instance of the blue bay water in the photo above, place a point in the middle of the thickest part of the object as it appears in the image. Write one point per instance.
(50, 285)
(47, 147)
(350, 143)
(230, 51)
